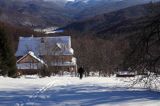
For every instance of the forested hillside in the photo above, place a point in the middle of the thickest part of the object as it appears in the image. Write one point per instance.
(107, 39)
(128, 20)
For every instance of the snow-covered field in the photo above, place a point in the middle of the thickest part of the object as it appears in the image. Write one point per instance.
(71, 91)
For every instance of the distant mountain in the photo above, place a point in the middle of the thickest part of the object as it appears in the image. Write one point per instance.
(89, 8)
(44, 13)
(125, 20)
(33, 13)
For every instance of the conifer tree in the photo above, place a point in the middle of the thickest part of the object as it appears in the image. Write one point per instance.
(7, 58)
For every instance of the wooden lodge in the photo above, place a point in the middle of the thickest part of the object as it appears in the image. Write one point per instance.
(55, 53)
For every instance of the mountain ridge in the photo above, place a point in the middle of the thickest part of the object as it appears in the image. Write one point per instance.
(131, 19)
(40, 13)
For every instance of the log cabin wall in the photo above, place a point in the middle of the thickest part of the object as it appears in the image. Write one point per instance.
(28, 59)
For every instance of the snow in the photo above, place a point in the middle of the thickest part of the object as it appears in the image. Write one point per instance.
(49, 30)
(71, 91)
(52, 32)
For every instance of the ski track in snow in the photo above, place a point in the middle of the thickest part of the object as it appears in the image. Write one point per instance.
(35, 95)
(70, 91)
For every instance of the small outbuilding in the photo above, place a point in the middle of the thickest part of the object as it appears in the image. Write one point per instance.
(125, 74)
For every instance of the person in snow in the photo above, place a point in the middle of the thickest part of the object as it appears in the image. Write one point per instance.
(81, 72)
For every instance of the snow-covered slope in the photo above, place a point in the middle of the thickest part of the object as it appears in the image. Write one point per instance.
(71, 91)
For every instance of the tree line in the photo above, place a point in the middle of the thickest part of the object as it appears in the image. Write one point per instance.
(99, 55)
(7, 58)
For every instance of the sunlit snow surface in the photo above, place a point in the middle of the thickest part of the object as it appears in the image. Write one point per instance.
(71, 91)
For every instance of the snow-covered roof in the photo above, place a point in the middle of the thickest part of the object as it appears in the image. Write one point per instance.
(125, 73)
(34, 56)
(60, 45)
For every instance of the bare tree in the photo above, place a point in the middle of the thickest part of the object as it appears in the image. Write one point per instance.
(144, 57)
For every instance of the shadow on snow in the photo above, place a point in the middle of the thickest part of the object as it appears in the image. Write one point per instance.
(77, 95)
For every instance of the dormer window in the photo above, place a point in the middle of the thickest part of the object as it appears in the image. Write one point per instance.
(58, 47)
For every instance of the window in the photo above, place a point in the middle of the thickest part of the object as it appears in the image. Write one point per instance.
(42, 40)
